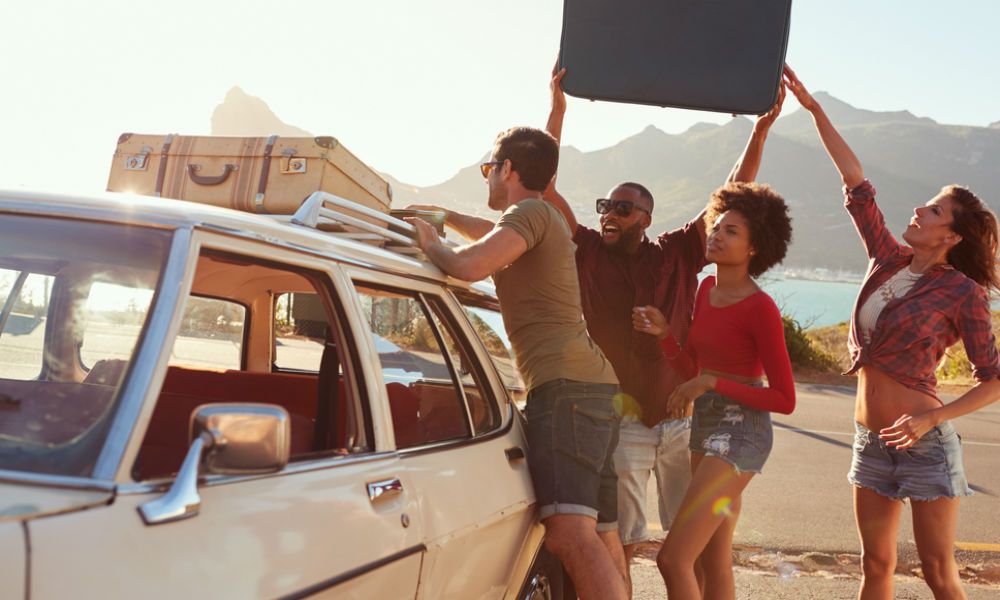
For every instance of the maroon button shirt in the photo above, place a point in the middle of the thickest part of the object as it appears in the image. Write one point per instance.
(663, 274)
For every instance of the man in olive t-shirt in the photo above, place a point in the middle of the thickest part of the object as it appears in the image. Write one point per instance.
(572, 426)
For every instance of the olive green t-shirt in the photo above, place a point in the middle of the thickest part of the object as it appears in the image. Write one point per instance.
(540, 301)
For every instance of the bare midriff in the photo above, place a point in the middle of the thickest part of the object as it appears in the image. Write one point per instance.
(882, 400)
(731, 377)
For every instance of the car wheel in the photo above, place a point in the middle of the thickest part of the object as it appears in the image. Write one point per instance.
(546, 580)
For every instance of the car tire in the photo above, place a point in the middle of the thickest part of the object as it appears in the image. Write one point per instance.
(547, 580)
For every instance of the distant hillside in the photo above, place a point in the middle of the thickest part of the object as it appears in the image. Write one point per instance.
(241, 114)
(907, 158)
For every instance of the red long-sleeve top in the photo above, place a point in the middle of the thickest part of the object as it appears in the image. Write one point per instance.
(746, 338)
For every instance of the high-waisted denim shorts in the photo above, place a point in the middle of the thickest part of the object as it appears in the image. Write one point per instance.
(734, 432)
(930, 469)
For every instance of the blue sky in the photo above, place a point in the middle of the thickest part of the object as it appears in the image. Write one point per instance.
(416, 89)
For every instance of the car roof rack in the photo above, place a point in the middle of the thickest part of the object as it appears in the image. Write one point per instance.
(327, 212)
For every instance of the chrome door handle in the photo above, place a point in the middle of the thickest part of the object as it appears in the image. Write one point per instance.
(385, 489)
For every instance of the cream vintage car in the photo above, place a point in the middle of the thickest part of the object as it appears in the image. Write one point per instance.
(197, 402)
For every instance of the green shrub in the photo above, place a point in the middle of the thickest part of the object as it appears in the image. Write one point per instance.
(802, 351)
(832, 341)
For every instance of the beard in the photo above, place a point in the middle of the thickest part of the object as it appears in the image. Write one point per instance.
(627, 239)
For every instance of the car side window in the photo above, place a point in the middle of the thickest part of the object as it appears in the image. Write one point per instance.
(483, 412)
(239, 299)
(211, 334)
(486, 320)
(433, 388)
(300, 325)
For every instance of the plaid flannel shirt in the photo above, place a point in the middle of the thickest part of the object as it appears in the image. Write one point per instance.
(913, 332)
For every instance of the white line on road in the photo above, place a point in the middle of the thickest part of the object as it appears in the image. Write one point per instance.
(817, 431)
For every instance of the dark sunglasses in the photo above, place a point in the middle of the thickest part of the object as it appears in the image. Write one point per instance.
(622, 208)
(486, 167)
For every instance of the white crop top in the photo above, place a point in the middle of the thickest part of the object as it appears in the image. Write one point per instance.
(895, 287)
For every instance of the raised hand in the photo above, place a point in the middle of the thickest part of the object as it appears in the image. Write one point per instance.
(555, 87)
(770, 116)
(648, 319)
(801, 94)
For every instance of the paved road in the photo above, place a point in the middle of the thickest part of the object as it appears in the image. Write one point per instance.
(802, 504)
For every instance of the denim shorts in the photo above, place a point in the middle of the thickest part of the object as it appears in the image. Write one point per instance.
(572, 434)
(734, 432)
(930, 469)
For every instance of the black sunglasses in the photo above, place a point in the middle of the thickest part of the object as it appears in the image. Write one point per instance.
(486, 167)
(622, 208)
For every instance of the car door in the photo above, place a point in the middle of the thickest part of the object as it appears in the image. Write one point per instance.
(309, 531)
(12, 547)
(456, 437)
(341, 520)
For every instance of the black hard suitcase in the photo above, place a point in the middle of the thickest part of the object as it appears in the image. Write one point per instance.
(717, 55)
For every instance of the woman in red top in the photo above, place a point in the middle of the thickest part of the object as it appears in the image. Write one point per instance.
(916, 301)
(736, 337)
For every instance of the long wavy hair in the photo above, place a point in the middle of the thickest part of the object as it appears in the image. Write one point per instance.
(976, 255)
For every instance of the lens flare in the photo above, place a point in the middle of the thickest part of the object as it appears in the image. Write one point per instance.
(721, 506)
(627, 405)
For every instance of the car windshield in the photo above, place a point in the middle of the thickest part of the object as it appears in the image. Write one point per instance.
(74, 300)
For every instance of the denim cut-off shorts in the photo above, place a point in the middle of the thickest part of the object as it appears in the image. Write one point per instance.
(572, 434)
(930, 469)
(734, 432)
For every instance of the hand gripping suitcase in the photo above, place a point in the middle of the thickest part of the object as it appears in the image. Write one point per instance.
(270, 175)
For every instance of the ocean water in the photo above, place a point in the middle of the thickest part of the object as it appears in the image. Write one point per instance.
(813, 303)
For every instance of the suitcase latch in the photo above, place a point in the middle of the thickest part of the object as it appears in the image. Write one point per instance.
(291, 163)
(138, 162)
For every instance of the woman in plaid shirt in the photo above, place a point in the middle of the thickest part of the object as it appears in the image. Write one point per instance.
(917, 300)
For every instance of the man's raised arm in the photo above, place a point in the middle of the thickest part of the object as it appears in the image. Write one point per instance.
(745, 169)
(554, 127)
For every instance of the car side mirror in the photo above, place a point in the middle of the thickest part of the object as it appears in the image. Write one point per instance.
(226, 439)
(247, 439)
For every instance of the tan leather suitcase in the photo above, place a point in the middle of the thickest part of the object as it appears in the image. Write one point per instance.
(255, 174)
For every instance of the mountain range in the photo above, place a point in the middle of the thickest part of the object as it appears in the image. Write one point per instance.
(907, 158)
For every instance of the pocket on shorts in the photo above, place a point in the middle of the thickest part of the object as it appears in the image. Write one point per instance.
(928, 454)
(592, 434)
